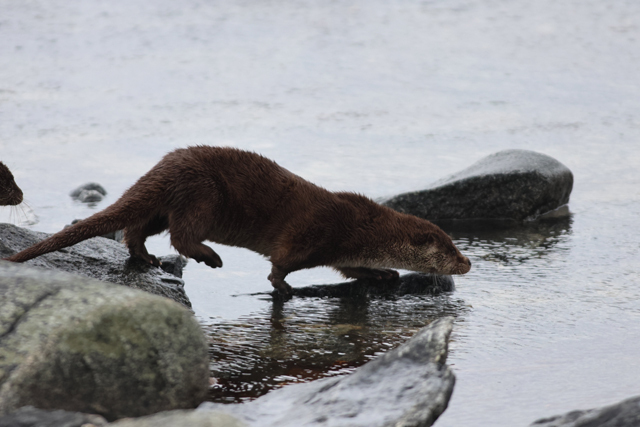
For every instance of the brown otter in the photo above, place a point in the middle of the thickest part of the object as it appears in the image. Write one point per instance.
(240, 198)
(10, 193)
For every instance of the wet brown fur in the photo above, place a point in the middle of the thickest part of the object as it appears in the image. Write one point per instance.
(239, 198)
(10, 193)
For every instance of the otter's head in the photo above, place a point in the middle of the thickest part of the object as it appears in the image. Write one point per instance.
(10, 193)
(428, 249)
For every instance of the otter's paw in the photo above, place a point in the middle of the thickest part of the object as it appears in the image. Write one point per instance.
(208, 256)
(282, 287)
(149, 259)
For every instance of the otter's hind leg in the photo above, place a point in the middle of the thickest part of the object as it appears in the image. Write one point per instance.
(135, 236)
(187, 236)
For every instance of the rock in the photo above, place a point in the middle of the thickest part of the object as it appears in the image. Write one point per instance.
(514, 185)
(623, 414)
(408, 386)
(182, 419)
(413, 283)
(173, 264)
(89, 193)
(73, 343)
(28, 416)
(89, 196)
(99, 258)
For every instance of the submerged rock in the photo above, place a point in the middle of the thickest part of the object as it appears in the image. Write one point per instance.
(408, 284)
(408, 386)
(514, 185)
(91, 192)
(101, 259)
(73, 343)
(623, 414)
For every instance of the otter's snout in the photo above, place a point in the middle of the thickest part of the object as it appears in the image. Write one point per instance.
(465, 265)
(16, 197)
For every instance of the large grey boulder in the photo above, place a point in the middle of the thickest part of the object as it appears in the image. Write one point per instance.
(623, 414)
(409, 386)
(512, 184)
(73, 343)
(102, 259)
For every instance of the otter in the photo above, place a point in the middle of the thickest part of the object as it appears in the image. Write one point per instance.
(10, 193)
(240, 198)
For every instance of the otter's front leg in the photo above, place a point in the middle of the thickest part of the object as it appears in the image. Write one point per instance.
(367, 273)
(277, 280)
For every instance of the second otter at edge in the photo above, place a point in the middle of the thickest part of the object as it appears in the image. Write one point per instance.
(240, 198)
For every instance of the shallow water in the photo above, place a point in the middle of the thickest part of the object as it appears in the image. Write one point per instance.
(379, 98)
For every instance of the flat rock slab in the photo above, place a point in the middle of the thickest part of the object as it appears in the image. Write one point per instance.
(623, 414)
(407, 386)
(408, 284)
(514, 185)
(74, 343)
(101, 259)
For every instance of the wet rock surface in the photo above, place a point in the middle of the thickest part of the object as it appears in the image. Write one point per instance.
(182, 419)
(623, 414)
(409, 386)
(514, 185)
(73, 343)
(413, 284)
(101, 259)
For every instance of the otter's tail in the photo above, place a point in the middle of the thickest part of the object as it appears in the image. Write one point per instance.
(115, 217)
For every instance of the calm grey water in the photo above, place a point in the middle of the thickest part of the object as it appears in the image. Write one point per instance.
(376, 97)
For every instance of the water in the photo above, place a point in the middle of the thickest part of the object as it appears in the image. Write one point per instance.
(375, 97)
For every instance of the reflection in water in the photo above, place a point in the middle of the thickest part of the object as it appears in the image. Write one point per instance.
(513, 245)
(305, 339)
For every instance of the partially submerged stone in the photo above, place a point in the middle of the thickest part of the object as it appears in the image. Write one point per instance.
(623, 414)
(514, 185)
(407, 386)
(101, 259)
(73, 343)
(408, 284)
(91, 192)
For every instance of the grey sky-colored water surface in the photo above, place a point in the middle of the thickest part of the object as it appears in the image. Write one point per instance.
(380, 98)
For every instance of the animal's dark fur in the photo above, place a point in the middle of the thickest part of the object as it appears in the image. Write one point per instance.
(10, 193)
(239, 198)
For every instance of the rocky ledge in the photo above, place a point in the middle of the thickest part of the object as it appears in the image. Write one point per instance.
(514, 185)
(102, 259)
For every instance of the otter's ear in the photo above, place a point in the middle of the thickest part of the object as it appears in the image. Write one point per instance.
(422, 239)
